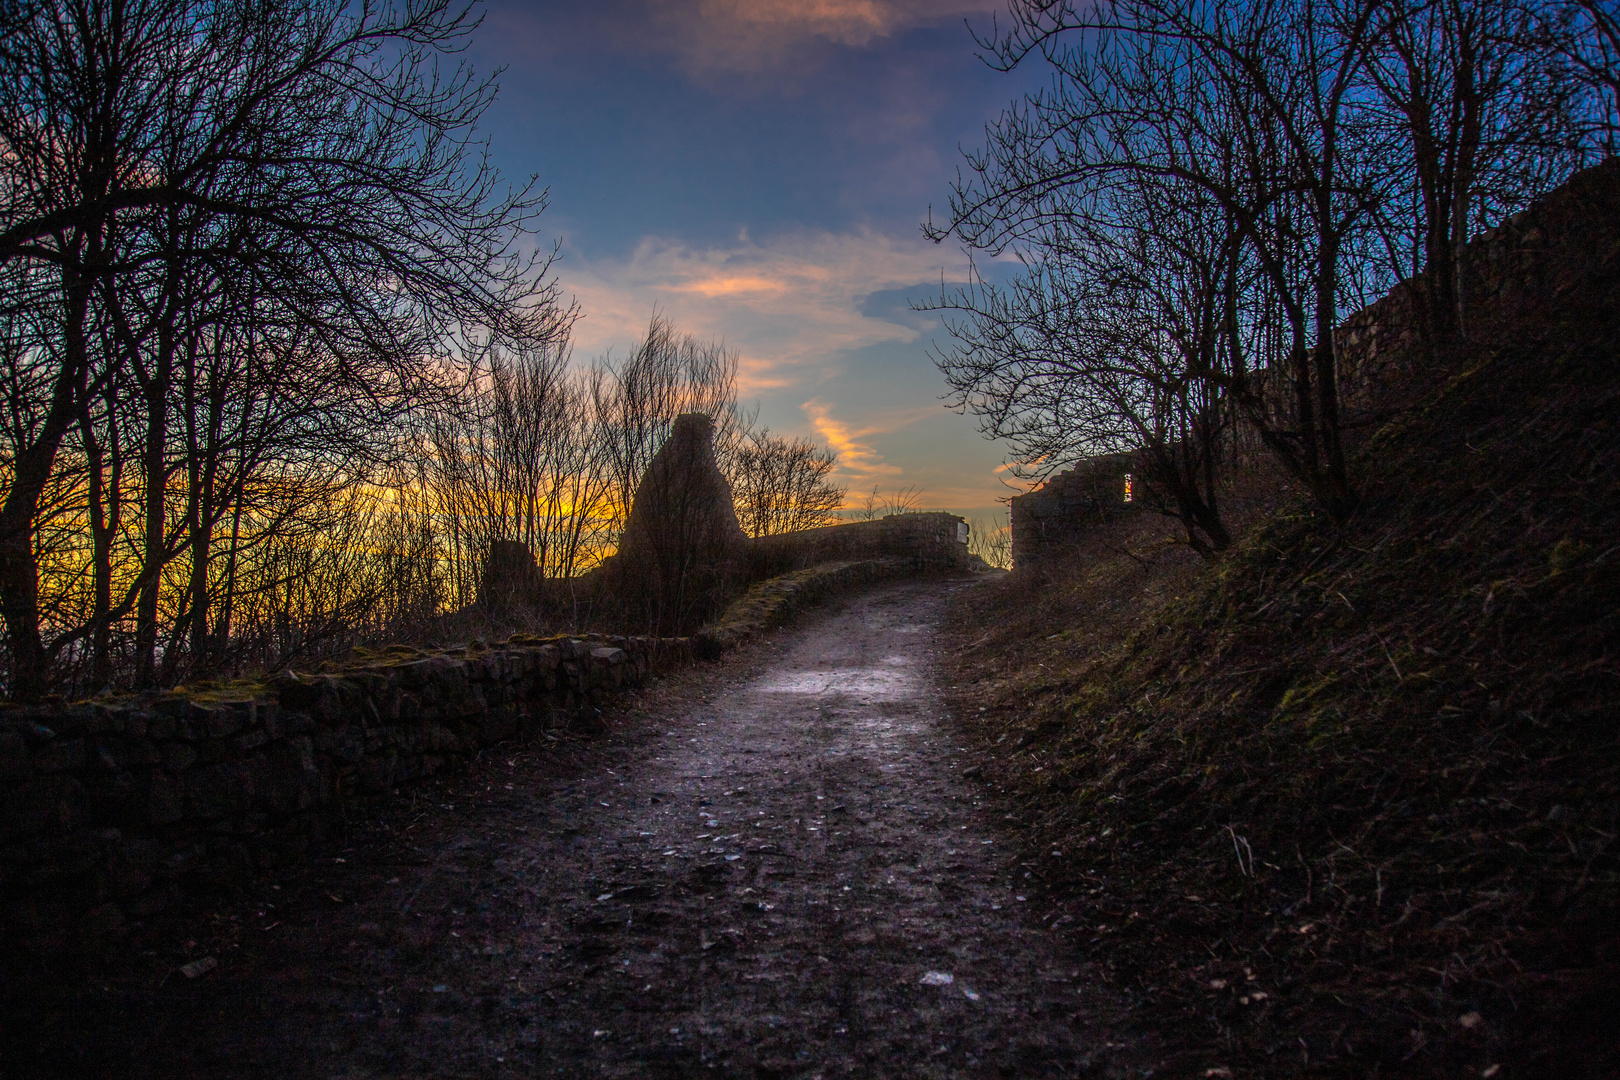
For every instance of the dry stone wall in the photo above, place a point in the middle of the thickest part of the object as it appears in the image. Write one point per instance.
(109, 808)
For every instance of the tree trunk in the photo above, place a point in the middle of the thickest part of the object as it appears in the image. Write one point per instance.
(155, 475)
(19, 569)
(106, 493)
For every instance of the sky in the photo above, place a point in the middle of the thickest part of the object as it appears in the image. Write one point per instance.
(758, 171)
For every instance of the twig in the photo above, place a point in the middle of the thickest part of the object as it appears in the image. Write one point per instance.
(1247, 871)
(1398, 676)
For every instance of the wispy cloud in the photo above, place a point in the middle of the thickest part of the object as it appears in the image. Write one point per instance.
(790, 304)
(858, 461)
(744, 36)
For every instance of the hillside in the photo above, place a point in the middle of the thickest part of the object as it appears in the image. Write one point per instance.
(1347, 801)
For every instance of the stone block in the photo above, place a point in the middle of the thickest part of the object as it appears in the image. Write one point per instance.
(177, 757)
(36, 733)
(70, 721)
(106, 720)
(212, 750)
(45, 804)
(350, 744)
(295, 782)
(274, 720)
(165, 799)
(292, 691)
(114, 797)
(59, 755)
(120, 753)
(250, 740)
(159, 727)
(216, 791)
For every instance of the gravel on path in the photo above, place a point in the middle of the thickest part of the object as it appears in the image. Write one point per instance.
(771, 867)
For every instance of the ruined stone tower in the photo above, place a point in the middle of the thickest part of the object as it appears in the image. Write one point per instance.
(683, 554)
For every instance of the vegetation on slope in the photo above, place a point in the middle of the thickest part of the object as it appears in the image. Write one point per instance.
(1347, 802)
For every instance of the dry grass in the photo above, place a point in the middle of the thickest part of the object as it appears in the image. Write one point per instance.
(1347, 803)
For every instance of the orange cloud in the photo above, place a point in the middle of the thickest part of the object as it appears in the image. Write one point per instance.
(848, 22)
(728, 286)
(856, 457)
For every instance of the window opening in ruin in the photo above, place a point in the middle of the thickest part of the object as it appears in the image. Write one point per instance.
(1127, 487)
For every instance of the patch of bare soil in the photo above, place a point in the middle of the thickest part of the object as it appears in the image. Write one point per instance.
(771, 866)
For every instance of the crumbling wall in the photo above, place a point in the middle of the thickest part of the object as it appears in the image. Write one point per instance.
(1570, 236)
(1048, 521)
(1567, 237)
(684, 557)
(510, 576)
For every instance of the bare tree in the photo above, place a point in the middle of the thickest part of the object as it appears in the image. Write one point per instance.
(1586, 35)
(1112, 339)
(170, 167)
(783, 485)
(1247, 105)
(877, 503)
(667, 373)
(1329, 146)
(991, 540)
(1479, 120)
(518, 456)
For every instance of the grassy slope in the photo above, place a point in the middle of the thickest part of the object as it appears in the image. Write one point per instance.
(1370, 772)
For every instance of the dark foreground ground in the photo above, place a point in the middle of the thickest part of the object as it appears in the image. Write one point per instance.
(769, 867)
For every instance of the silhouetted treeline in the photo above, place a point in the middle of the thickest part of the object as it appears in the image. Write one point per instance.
(1206, 189)
(277, 356)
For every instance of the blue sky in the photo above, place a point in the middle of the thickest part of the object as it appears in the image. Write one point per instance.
(758, 169)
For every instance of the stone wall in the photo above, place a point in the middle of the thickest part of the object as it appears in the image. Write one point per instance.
(108, 808)
(1568, 238)
(928, 541)
(1047, 522)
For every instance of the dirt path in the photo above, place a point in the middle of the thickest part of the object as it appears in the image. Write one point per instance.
(771, 869)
